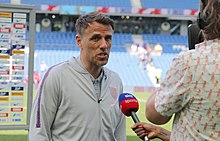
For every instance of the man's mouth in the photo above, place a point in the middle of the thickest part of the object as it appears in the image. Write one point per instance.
(103, 55)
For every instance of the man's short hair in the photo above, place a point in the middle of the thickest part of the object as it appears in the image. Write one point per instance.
(83, 21)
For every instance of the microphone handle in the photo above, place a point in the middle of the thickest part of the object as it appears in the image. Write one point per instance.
(136, 120)
(135, 117)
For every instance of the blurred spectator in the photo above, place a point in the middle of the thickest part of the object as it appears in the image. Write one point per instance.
(43, 68)
(36, 80)
(67, 26)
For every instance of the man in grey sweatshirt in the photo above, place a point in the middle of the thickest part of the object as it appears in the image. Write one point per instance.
(77, 100)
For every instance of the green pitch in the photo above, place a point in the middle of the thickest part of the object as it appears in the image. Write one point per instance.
(15, 135)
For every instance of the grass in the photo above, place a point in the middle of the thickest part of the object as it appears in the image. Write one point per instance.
(21, 135)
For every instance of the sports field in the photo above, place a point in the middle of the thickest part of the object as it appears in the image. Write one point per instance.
(14, 135)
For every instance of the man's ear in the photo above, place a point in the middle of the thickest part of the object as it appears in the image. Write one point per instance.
(78, 41)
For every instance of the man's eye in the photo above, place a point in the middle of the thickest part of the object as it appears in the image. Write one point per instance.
(96, 39)
(108, 39)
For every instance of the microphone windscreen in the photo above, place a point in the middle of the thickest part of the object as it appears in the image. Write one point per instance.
(128, 103)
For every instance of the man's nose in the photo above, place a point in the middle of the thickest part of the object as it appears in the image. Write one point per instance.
(103, 43)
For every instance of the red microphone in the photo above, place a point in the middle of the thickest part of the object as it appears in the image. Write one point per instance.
(129, 106)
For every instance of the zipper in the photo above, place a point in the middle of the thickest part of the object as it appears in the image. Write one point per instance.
(97, 89)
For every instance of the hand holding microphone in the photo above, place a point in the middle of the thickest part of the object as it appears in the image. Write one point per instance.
(129, 106)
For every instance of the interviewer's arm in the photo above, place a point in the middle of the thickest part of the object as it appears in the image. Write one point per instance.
(152, 115)
(163, 134)
(173, 93)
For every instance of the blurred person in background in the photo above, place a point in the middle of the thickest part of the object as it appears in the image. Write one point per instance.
(43, 68)
(77, 99)
(190, 90)
(36, 80)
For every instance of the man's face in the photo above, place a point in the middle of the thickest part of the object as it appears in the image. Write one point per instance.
(95, 44)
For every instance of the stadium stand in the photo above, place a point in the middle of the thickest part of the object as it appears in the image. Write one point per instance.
(170, 43)
(57, 46)
(5, 1)
(121, 62)
(170, 4)
(128, 68)
(117, 3)
(163, 62)
(66, 41)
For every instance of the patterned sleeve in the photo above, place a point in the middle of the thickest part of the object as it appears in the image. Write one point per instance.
(173, 92)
